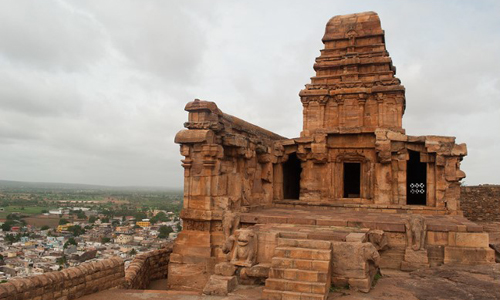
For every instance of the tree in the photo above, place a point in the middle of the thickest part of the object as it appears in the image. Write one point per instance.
(92, 219)
(105, 240)
(76, 230)
(63, 221)
(140, 215)
(62, 260)
(13, 216)
(132, 252)
(44, 227)
(6, 226)
(12, 238)
(70, 241)
(81, 215)
(165, 231)
(160, 217)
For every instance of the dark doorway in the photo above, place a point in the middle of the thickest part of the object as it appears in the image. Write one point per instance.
(291, 177)
(416, 180)
(352, 180)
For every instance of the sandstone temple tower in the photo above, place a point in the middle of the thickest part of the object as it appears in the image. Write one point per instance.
(258, 206)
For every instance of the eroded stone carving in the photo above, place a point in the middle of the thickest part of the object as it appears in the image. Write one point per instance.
(416, 230)
(371, 254)
(245, 248)
(230, 222)
(378, 239)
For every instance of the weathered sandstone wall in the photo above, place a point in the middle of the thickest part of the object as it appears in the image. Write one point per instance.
(89, 278)
(72, 283)
(147, 267)
(481, 203)
(228, 168)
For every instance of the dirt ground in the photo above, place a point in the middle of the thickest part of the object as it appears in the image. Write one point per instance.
(41, 220)
(440, 283)
(444, 282)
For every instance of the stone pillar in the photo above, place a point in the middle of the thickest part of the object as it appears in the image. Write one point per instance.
(192, 260)
(381, 113)
(361, 103)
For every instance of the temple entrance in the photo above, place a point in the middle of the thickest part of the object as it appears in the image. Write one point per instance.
(416, 180)
(352, 180)
(291, 177)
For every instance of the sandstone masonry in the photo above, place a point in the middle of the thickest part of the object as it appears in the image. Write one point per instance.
(72, 283)
(481, 203)
(147, 267)
(352, 194)
(90, 278)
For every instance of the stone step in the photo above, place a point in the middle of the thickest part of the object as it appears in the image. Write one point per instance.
(299, 275)
(301, 264)
(284, 295)
(297, 286)
(392, 258)
(303, 253)
(315, 234)
(303, 243)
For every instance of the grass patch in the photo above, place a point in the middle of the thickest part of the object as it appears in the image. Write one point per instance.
(25, 210)
(339, 288)
(376, 278)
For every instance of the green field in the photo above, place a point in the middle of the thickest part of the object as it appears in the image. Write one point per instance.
(25, 210)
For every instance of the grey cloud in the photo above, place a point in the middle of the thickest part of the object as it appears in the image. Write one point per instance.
(49, 35)
(37, 94)
(94, 91)
(165, 38)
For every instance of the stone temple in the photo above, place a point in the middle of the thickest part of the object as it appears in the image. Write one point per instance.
(352, 194)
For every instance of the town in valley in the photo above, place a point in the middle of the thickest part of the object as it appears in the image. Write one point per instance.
(49, 227)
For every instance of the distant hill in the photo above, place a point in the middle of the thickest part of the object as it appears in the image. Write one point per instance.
(24, 185)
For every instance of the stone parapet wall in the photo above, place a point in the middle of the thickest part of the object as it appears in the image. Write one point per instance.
(481, 203)
(72, 283)
(147, 267)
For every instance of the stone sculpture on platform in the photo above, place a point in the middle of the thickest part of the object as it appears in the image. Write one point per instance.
(416, 230)
(415, 254)
(378, 238)
(245, 249)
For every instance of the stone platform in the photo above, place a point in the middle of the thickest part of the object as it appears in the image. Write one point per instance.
(393, 222)
(449, 239)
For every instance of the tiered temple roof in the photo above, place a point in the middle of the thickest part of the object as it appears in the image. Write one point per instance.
(355, 88)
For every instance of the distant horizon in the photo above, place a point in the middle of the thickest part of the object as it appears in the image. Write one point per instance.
(464, 183)
(91, 184)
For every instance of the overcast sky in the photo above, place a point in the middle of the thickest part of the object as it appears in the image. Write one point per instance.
(94, 91)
